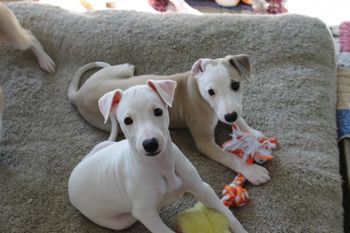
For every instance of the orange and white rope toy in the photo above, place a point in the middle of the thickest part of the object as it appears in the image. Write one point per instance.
(251, 149)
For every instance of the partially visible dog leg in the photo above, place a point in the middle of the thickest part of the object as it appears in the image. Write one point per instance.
(255, 174)
(145, 209)
(203, 192)
(150, 218)
(116, 223)
(45, 61)
(205, 143)
(13, 33)
(208, 197)
(124, 70)
(246, 128)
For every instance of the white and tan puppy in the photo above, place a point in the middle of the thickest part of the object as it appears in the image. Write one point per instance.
(211, 91)
(13, 33)
(118, 183)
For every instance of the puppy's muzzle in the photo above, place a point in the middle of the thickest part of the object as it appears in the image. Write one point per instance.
(231, 117)
(151, 146)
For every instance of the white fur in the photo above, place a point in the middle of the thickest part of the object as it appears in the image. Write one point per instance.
(225, 99)
(117, 184)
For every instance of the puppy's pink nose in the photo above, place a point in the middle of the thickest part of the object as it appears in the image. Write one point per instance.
(150, 145)
(231, 117)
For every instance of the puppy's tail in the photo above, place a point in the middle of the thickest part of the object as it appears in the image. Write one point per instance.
(74, 85)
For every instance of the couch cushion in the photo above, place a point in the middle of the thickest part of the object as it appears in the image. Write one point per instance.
(291, 95)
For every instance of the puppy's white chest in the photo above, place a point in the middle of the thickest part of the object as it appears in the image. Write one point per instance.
(174, 190)
(173, 182)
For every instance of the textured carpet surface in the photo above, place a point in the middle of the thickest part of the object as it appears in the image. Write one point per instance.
(292, 95)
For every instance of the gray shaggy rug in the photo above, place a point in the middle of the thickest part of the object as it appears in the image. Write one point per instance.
(291, 95)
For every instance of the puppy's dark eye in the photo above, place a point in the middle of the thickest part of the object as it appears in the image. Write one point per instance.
(158, 112)
(128, 121)
(235, 86)
(211, 92)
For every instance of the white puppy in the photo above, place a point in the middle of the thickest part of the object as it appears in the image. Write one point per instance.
(118, 183)
(13, 33)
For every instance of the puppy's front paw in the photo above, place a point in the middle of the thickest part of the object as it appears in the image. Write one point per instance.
(256, 174)
(235, 225)
(46, 63)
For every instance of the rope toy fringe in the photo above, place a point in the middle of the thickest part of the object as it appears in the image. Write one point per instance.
(251, 149)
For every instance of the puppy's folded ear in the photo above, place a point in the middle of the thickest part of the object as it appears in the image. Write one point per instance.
(242, 63)
(109, 101)
(164, 88)
(199, 66)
